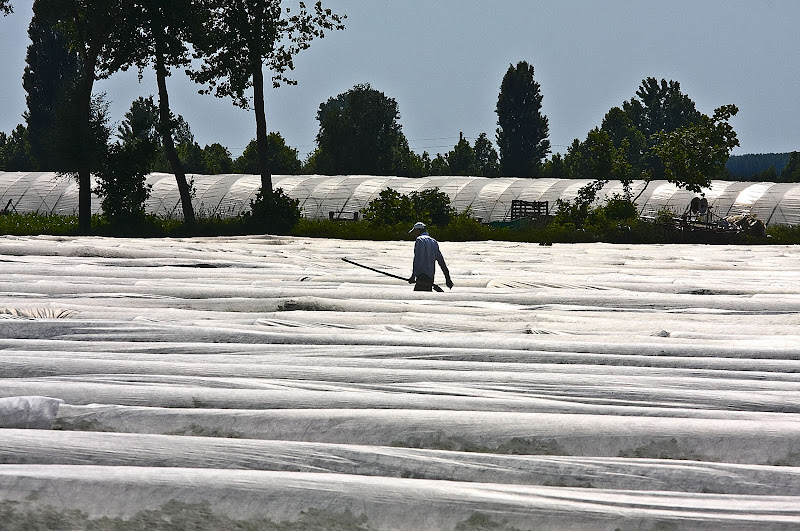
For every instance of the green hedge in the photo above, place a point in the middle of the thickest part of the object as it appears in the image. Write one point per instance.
(461, 227)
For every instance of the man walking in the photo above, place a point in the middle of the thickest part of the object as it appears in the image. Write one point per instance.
(426, 254)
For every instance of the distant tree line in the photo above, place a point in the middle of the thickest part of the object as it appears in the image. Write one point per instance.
(772, 167)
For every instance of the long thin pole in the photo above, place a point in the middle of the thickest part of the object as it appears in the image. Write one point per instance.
(437, 288)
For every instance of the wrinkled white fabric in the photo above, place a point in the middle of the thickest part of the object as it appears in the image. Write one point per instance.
(36, 412)
(572, 386)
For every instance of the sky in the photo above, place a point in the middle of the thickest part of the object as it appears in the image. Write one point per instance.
(443, 63)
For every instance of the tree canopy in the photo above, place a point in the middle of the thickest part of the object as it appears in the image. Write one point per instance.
(659, 134)
(283, 160)
(523, 131)
(243, 36)
(791, 172)
(695, 153)
(359, 133)
(162, 34)
(100, 32)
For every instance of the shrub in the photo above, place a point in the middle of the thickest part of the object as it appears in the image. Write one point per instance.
(430, 206)
(388, 208)
(277, 213)
(121, 182)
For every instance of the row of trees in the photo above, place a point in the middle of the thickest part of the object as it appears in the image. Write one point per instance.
(657, 134)
(360, 133)
(76, 42)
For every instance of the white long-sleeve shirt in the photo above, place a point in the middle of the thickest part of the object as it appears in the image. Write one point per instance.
(426, 254)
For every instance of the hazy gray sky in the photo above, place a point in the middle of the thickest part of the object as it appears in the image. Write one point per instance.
(443, 62)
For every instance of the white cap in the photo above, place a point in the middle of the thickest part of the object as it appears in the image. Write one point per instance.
(418, 225)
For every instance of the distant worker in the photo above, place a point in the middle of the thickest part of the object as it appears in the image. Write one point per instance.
(426, 254)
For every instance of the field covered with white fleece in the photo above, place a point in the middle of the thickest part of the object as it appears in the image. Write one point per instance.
(264, 383)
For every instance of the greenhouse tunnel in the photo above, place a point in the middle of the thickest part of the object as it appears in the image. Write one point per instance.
(490, 199)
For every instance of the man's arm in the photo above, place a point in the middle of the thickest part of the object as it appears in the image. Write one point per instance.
(440, 259)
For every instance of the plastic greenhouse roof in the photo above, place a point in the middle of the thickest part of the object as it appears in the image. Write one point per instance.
(490, 199)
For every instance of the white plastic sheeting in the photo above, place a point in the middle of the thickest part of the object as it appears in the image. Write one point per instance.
(37, 412)
(262, 380)
(319, 195)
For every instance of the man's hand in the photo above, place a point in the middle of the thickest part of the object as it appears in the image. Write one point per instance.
(449, 283)
(411, 280)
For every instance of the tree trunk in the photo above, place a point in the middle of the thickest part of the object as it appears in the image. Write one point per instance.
(165, 127)
(86, 148)
(261, 130)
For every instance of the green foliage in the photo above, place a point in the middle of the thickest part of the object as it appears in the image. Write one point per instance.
(283, 159)
(6, 8)
(464, 227)
(388, 208)
(658, 108)
(50, 79)
(486, 159)
(694, 154)
(213, 159)
(615, 221)
(191, 157)
(620, 208)
(630, 142)
(747, 167)
(791, 172)
(768, 175)
(523, 131)
(32, 224)
(462, 159)
(145, 117)
(121, 181)
(273, 213)
(15, 151)
(75, 151)
(783, 234)
(554, 167)
(439, 166)
(661, 107)
(598, 158)
(430, 206)
(239, 38)
(606, 223)
(141, 122)
(97, 31)
(216, 159)
(359, 133)
(576, 212)
(657, 135)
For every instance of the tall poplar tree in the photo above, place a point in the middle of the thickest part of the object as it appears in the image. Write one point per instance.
(50, 79)
(523, 131)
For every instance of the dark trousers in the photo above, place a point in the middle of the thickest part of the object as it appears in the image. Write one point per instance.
(424, 283)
